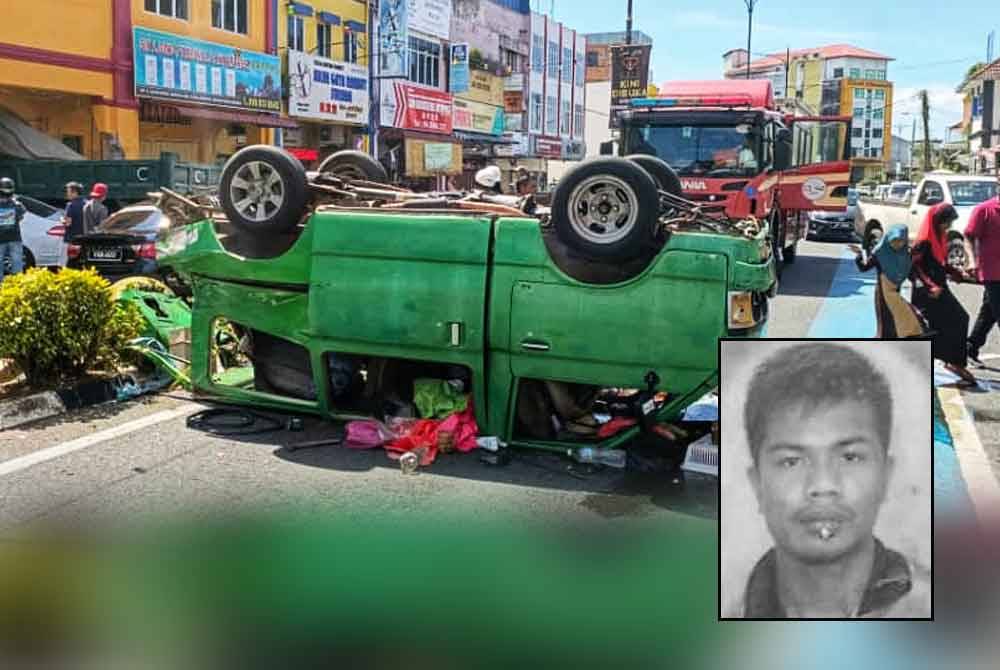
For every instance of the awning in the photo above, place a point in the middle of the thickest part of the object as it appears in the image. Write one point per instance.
(20, 140)
(328, 17)
(252, 118)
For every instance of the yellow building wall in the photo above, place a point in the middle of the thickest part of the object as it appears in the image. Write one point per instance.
(79, 27)
(813, 94)
(347, 10)
(873, 166)
(199, 24)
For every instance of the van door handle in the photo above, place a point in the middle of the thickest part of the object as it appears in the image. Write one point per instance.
(535, 345)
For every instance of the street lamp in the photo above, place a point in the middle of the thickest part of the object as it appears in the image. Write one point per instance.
(750, 5)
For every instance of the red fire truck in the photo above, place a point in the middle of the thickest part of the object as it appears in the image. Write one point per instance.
(735, 151)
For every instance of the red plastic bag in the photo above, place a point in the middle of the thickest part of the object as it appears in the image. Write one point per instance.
(423, 435)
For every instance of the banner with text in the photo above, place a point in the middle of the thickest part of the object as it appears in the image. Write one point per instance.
(458, 80)
(326, 89)
(629, 75)
(414, 107)
(179, 68)
(431, 17)
(477, 117)
(393, 39)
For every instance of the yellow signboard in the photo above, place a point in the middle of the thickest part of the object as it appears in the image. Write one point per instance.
(485, 87)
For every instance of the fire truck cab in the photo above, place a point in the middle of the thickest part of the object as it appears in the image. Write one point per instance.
(735, 151)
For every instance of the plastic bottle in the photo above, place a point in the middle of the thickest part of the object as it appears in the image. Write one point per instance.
(614, 458)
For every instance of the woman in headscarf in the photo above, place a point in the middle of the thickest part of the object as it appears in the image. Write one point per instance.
(947, 318)
(891, 259)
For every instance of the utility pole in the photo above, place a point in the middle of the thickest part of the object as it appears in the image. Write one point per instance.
(913, 146)
(628, 24)
(750, 5)
(788, 67)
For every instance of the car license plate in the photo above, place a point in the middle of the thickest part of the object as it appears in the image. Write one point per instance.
(105, 254)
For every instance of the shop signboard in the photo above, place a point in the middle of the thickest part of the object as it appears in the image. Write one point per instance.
(513, 123)
(485, 87)
(174, 67)
(477, 117)
(513, 102)
(437, 156)
(458, 79)
(431, 17)
(327, 90)
(413, 107)
(429, 159)
(548, 147)
(518, 146)
(393, 38)
(629, 75)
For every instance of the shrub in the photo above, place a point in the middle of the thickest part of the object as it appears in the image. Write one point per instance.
(57, 326)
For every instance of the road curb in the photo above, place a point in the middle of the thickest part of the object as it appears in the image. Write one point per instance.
(975, 464)
(48, 404)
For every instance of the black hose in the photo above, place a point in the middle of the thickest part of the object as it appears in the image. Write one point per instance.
(232, 421)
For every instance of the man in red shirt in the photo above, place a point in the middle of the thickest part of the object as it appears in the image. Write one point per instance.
(983, 233)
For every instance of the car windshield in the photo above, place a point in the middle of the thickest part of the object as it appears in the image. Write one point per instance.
(971, 192)
(142, 222)
(707, 151)
(37, 207)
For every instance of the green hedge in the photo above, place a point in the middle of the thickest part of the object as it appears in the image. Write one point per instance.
(58, 326)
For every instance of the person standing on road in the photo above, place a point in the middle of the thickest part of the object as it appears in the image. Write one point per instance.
(891, 259)
(73, 219)
(983, 233)
(95, 211)
(11, 213)
(944, 313)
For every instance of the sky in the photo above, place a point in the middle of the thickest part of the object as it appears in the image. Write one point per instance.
(933, 42)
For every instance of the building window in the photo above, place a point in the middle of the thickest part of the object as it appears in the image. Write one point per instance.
(857, 132)
(425, 62)
(838, 73)
(551, 116)
(553, 60)
(581, 71)
(591, 59)
(177, 9)
(855, 73)
(350, 46)
(567, 65)
(537, 53)
(578, 120)
(880, 94)
(567, 117)
(536, 112)
(859, 112)
(513, 60)
(859, 93)
(230, 15)
(296, 33)
(323, 39)
(877, 134)
(878, 113)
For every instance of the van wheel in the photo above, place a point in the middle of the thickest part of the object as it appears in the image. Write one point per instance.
(606, 209)
(873, 236)
(660, 171)
(354, 165)
(957, 256)
(263, 190)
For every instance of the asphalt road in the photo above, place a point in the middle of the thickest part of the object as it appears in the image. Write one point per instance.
(155, 466)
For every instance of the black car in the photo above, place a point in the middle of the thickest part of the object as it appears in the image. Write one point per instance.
(124, 245)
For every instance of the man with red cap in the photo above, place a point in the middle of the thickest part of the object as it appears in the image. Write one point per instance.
(95, 211)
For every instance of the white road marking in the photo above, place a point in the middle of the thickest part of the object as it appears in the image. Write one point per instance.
(972, 459)
(56, 451)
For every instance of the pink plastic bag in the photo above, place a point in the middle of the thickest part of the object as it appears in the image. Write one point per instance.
(366, 435)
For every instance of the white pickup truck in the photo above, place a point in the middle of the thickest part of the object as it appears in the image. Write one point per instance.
(962, 191)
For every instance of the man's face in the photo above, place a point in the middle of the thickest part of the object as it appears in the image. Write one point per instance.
(820, 479)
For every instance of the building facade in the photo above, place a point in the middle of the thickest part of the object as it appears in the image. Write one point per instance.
(982, 123)
(834, 80)
(324, 47)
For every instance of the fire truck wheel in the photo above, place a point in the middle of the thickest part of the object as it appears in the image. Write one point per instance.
(354, 165)
(263, 190)
(662, 174)
(606, 209)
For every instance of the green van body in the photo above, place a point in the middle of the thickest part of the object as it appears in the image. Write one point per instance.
(477, 291)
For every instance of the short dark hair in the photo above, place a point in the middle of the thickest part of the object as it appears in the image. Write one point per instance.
(811, 376)
(75, 186)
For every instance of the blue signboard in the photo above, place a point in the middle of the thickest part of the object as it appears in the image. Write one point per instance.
(458, 80)
(183, 69)
(394, 43)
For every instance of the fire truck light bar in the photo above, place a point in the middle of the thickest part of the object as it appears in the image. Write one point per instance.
(695, 101)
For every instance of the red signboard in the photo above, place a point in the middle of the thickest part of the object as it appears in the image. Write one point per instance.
(304, 154)
(417, 108)
(548, 148)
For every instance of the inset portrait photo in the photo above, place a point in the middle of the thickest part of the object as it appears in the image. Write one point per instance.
(826, 479)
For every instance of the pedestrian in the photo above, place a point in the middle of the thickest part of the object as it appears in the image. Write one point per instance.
(891, 259)
(983, 233)
(11, 213)
(94, 210)
(944, 313)
(73, 220)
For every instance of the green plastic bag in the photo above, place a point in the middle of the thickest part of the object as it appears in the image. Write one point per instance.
(436, 398)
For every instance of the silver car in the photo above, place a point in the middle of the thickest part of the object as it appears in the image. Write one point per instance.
(42, 234)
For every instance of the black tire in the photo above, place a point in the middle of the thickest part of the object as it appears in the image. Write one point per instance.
(957, 255)
(354, 165)
(660, 171)
(606, 209)
(873, 234)
(279, 174)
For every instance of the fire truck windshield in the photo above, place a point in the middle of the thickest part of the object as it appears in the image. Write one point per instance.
(705, 151)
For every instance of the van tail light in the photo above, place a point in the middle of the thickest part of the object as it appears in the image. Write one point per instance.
(741, 310)
(57, 231)
(73, 251)
(147, 250)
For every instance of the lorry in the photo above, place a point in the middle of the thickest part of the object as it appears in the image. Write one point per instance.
(330, 295)
(735, 152)
(962, 191)
(129, 181)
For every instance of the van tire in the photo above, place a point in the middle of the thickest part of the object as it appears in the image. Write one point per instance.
(351, 164)
(660, 171)
(606, 209)
(263, 190)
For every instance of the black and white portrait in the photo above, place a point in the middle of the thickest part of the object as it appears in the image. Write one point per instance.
(826, 479)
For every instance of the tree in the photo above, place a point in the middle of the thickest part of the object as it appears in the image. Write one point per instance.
(925, 113)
